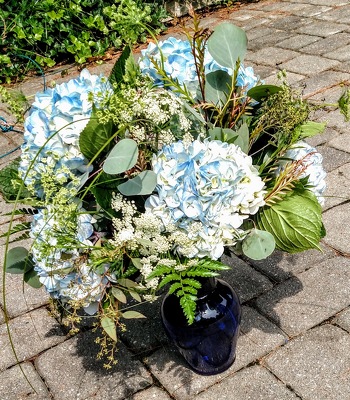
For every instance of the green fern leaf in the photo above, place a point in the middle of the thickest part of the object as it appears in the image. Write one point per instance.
(191, 282)
(169, 278)
(188, 305)
(175, 286)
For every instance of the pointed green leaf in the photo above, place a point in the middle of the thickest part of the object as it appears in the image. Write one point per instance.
(18, 261)
(258, 244)
(118, 70)
(262, 91)
(119, 295)
(295, 222)
(109, 327)
(94, 136)
(132, 315)
(122, 157)
(135, 296)
(143, 183)
(128, 283)
(310, 128)
(137, 263)
(227, 44)
(32, 279)
(217, 87)
(242, 139)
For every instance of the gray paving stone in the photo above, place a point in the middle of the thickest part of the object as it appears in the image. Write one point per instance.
(341, 142)
(308, 64)
(286, 21)
(311, 10)
(336, 221)
(343, 67)
(315, 365)
(327, 135)
(342, 54)
(319, 28)
(14, 386)
(321, 82)
(265, 37)
(31, 333)
(334, 119)
(327, 44)
(333, 158)
(149, 394)
(20, 297)
(343, 319)
(258, 337)
(338, 186)
(88, 379)
(321, 2)
(271, 56)
(253, 383)
(339, 14)
(304, 301)
(297, 41)
(281, 266)
(247, 282)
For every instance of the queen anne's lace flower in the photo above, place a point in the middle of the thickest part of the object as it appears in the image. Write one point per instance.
(178, 61)
(207, 190)
(312, 160)
(64, 110)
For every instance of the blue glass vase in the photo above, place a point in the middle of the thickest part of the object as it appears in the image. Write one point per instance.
(209, 344)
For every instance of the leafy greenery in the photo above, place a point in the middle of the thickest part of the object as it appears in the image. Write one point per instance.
(44, 31)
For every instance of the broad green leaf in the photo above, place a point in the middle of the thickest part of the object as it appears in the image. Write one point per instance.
(9, 176)
(295, 222)
(32, 279)
(143, 183)
(132, 315)
(223, 134)
(104, 188)
(94, 136)
(262, 91)
(344, 104)
(258, 244)
(242, 139)
(18, 261)
(122, 157)
(227, 44)
(217, 87)
(109, 327)
(119, 295)
(309, 129)
(118, 70)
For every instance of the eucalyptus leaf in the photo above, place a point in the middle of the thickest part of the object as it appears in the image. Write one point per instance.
(119, 295)
(258, 244)
(217, 87)
(128, 283)
(137, 263)
(32, 279)
(261, 92)
(227, 44)
(132, 315)
(144, 183)
(135, 296)
(18, 261)
(122, 157)
(295, 222)
(109, 327)
(242, 139)
(95, 135)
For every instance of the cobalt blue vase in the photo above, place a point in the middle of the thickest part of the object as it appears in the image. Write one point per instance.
(209, 344)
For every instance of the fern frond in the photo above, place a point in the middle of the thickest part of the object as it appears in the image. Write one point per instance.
(188, 305)
(169, 278)
(17, 228)
(174, 287)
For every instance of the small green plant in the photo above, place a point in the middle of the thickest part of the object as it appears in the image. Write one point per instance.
(48, 31)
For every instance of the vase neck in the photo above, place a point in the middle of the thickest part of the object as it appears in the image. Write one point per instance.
(208, 285)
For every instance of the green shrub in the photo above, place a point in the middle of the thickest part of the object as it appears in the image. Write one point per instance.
(51, 31)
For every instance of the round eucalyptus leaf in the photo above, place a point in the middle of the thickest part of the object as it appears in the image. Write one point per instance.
(258, 244)
(144, 183)
(227, 44)
(122, 157)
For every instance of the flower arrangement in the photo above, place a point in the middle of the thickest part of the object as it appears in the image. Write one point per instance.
(142, 179)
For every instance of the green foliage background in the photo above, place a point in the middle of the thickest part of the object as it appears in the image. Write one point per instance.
(50, 31)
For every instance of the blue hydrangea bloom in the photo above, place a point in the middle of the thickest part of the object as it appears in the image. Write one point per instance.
(178, 62)
(60, 114)
(312, 160)
(206, 190)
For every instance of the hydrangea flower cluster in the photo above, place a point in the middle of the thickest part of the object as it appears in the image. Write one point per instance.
(312, 160)
(206, 191)
(52, 129)
(177, 58)
(58, 260)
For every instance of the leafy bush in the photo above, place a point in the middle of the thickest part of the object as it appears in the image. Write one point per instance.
(50, 31)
